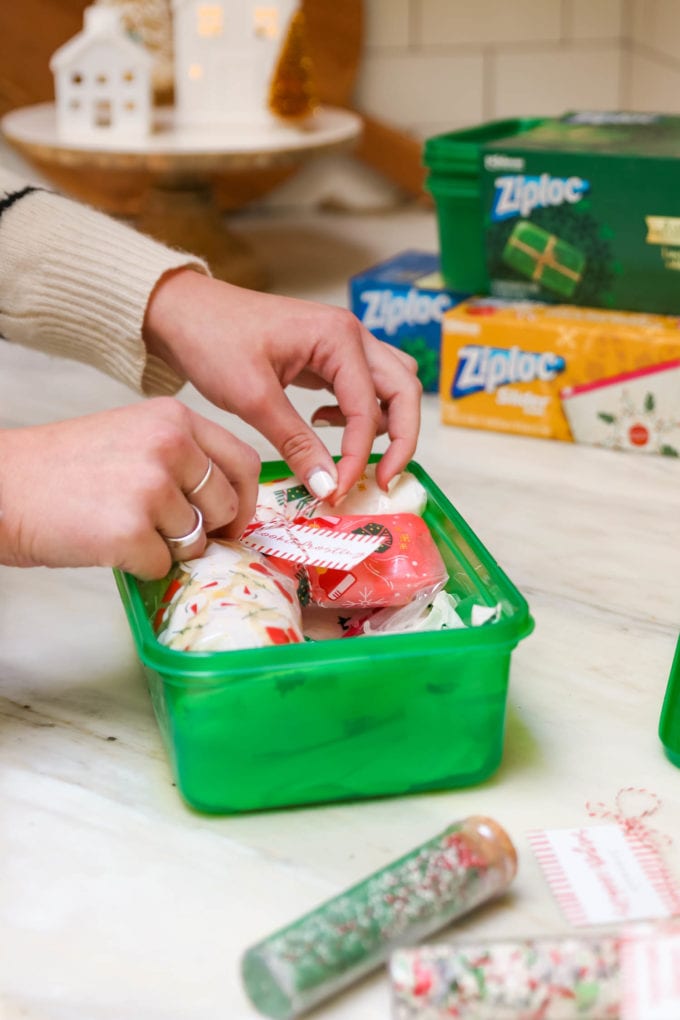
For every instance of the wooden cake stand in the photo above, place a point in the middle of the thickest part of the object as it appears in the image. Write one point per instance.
(175, 168)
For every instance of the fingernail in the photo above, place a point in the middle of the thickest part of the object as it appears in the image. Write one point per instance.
(321, 423)
(321, 483)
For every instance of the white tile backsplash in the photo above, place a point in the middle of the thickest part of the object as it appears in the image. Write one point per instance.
(484, 22)
(656, 27)
(433, 65)
(430, 66)
(410, 88)
(555, 80)
(386, 23)
(594, 19)
(655, 86)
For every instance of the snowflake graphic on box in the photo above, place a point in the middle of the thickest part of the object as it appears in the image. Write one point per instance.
(640, 429)
(638, 411)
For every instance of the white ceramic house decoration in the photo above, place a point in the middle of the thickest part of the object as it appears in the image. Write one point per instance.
(102, 81)
(225, 55)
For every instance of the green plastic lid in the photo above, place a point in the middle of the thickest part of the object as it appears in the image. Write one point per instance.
(458, 151)
(669, 723)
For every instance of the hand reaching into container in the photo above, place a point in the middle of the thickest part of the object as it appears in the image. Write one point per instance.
(132, 488)
(138, 486)
(241, 349)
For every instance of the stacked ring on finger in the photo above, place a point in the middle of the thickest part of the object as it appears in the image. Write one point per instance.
(185, 541)
(181, 542)
(204, 480)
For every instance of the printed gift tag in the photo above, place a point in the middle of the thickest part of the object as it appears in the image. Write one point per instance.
(602, 875)
(650, 974)
(355, 560)
(309, 544)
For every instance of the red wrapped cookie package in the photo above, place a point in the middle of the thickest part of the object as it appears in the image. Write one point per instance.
(354, 560)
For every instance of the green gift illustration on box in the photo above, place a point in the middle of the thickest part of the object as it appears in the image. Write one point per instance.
(544, 257)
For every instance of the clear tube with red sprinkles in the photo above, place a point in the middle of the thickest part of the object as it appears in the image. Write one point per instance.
(569, 978)
(312, 959)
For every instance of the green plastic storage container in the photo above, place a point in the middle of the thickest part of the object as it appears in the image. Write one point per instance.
(669, 723)
(341, 719)
(453, 179)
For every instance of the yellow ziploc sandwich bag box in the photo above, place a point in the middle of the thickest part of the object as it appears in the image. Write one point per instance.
(563, 372)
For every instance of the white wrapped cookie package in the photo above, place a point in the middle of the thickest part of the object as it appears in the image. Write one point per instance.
(226, 599)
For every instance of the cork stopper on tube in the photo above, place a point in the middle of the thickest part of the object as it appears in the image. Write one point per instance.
(491, 839)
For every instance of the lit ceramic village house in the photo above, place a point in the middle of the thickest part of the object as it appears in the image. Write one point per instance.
(102, 80)
(225, 55)
(235, 62)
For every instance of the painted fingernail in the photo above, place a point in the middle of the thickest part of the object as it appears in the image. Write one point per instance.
(321, 483)
(321, 423)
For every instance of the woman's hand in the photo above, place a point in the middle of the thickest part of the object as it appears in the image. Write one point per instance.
(241, 349)
(113, 489)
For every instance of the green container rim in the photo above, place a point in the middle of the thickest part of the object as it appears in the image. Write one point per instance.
(459, 151)
(669, 721)
(452, 187)
(189, 668)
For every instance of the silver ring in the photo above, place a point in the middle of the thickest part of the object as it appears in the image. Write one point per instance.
(184, 541)
(204, 480)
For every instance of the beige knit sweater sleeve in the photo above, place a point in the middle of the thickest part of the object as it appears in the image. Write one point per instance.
(76, 283)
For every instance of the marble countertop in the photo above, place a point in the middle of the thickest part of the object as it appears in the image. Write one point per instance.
(117, 902)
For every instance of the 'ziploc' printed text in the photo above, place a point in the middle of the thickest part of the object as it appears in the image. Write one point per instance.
(485, 369)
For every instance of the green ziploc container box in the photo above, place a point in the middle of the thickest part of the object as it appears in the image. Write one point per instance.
(341, 719)
(601, 191)
(454, 181)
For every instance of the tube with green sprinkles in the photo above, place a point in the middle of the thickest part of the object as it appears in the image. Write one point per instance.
(345, 938)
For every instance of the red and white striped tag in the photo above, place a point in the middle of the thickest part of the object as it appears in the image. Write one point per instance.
(602, 875)
(650, 972)
(313, 546)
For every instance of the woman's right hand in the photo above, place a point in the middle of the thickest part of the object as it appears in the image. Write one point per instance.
(109, 489)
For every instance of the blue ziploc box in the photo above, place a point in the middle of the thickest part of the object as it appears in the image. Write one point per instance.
(402, 301)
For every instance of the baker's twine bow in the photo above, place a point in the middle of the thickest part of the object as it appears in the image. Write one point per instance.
(632, 805)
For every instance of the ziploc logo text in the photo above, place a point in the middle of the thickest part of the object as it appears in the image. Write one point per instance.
(389, 311)
(519, 195)
(485, 369)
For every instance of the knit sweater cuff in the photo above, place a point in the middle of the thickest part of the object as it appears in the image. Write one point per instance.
(76, 283)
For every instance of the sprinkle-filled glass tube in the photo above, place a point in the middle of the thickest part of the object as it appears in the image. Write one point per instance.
(528, 979)
(343, 939)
